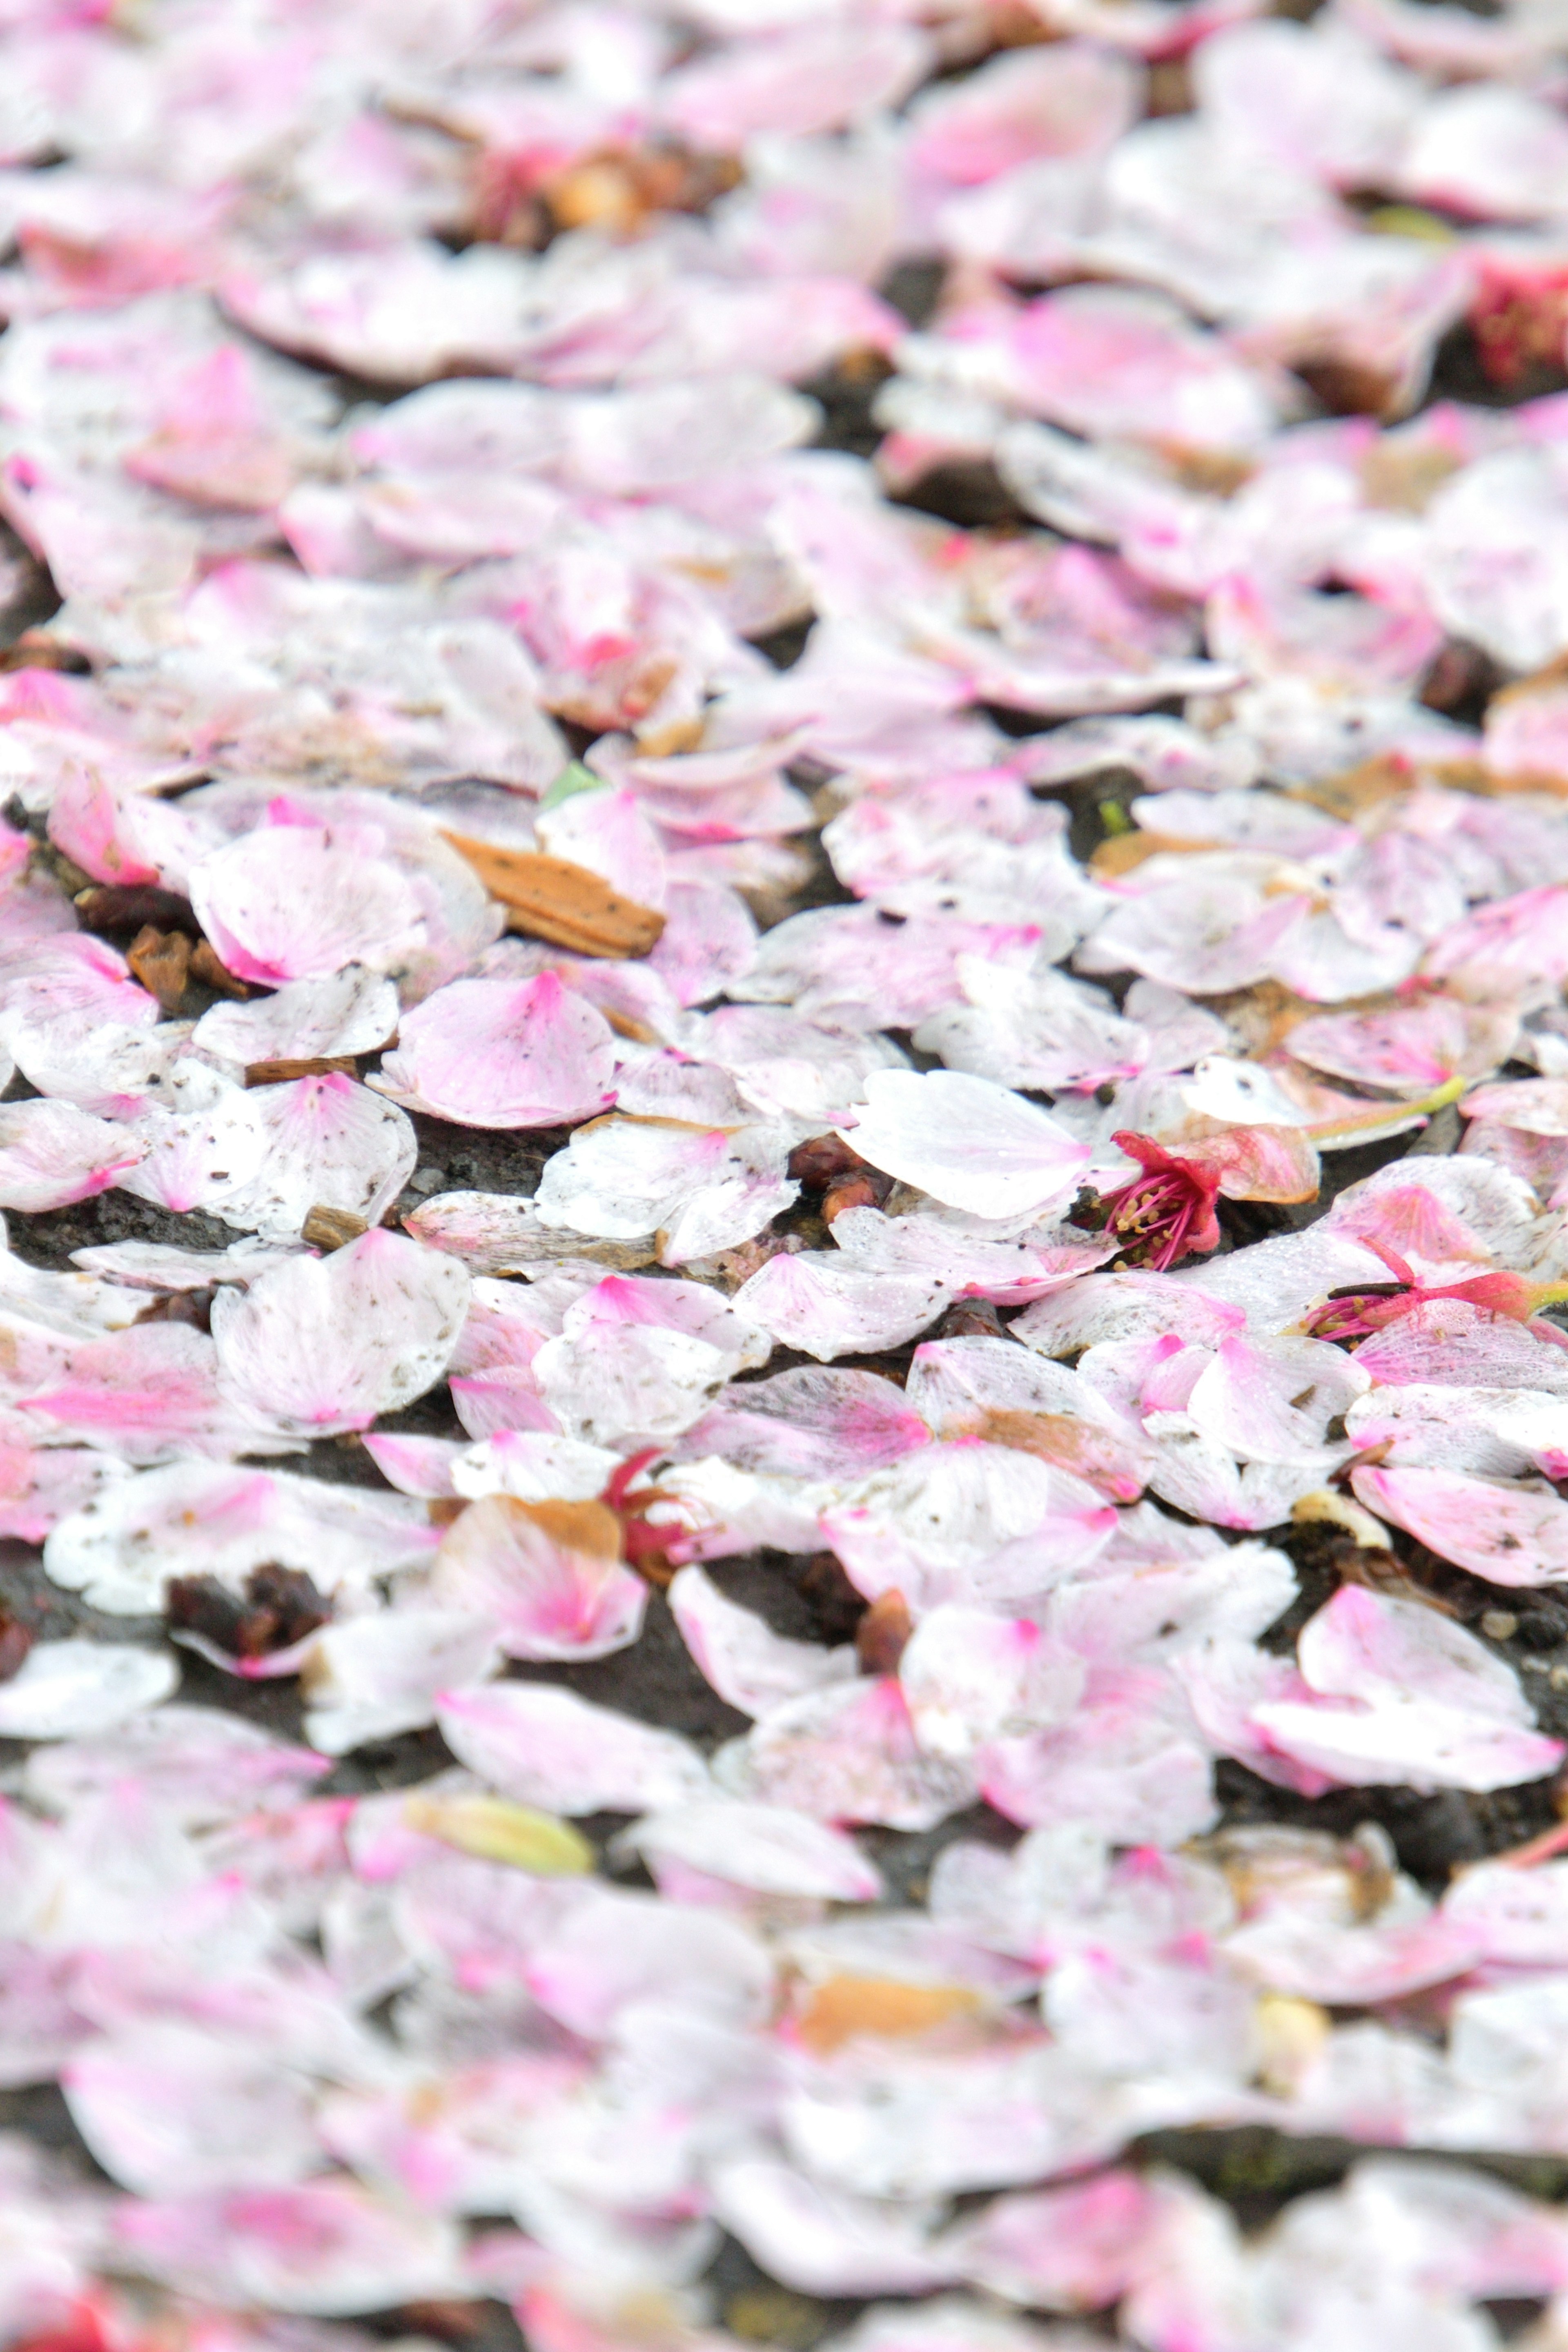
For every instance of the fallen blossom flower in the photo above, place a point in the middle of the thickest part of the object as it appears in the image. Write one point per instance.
(1166, 1213)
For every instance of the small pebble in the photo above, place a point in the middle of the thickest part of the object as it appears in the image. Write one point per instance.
(1500, 1624)
(427, 1180)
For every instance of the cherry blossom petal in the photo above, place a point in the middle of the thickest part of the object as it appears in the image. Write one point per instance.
(73, 1688)
(52, 1154)
(546, 1595)
(388, 1673)
(193, 1518)
(353, 1011)
(767, 1849)
(546, 1748)
(967, 1142)
(292, 902)
(751, 1668)
(328, 1143)
(225, 2118)
(1511, 1534)
(280, 1347)
(485, 1053)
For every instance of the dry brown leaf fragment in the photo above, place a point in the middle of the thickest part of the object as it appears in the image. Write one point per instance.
(15, 1642)
(565, 905)
(316, 1066)
(845, 2007)
(162, 963)
(330, 1229)
(883, 1633)
(1123, 851)
(206, 967)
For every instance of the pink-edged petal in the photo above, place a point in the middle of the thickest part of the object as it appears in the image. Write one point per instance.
(327, 1143)
(546, 1597)
(324, 2249)
(298, 902)
(808, 1424)
(970, 1677)
(825, 1306)
(414, 1466)
(41, 1486)
(966, 1521)
(198, 1159)
(1511, 1534)
(1449, 1343)
(375, 1675)
(702, 1188)
(1256, 1163)
(1409, 1049)
(764, 1849)
(819, 2241)
(1275, 1403)
(1402, 1694)
(848, 1753)
(968, 1142)
(169, 2111)
(546, 1748)
(612, 1948)
(148, 1394)
(1111, 1306)
(351, 1011)
(204, 1519)
(751, 1668)
(492, 1053)
(1126, 1765)
(325, 1344)
(51, 1154)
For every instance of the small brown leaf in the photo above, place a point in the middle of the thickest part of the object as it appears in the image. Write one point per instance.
(206, 967)
(132, 905)
(846, 2007)
(316, 1066)
(278, 1607)
(565, 905)
(16, 1640)
(330, 1229)
(592, 1527)
(882, 1634)
(162, 963)
(857, 1191)
(1124, 851)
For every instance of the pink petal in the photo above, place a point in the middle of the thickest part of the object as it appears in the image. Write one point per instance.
(751, 1668)
(285, 1355)
(548, 1749)
(1511, 1534)
(486, 1052)
(971, 1144)
(545, 1599)
(51, 1154)
(292, 902)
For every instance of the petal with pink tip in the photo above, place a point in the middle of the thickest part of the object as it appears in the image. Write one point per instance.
(968, 1142)
(549, 1748)
(51, 1154)
(298, 902)
(498, 1054)
(323, 1344)
(751, 1668)
(545, 1596)
(1511, 1534)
